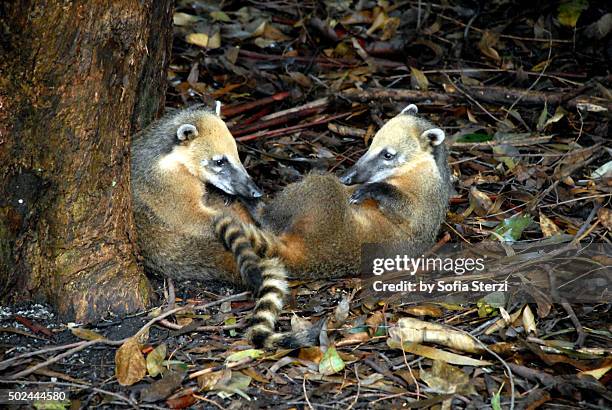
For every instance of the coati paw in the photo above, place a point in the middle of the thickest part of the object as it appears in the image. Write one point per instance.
(377, 191)
(360, 195)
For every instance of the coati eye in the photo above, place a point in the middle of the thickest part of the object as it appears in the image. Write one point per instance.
(388, 155)
(219, 162)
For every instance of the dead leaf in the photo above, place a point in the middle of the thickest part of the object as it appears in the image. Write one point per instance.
(181, 402)
(85, 334)
(204, 40)
(162, 388)
(418, 79)
(600, 28)
(412, 330)
(424, 310)
(184, 19)
(353, 339)
(436, 354)
(130, 364)
(529, 321)
(605, 217)
(301, 79)
(486, 44)
(600, 371)
(207, 381)
(503, 321)
(548, 227)
(480, 202)
(444, 378)
(313, 354)
(341, 312)
(379, 21)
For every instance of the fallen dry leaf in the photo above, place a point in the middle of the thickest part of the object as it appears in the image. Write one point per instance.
(130, 364)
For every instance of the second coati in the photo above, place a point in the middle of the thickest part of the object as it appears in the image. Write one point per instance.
(185, 173)
(397, 191)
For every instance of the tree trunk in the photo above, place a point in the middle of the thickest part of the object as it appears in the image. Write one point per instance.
(77, 79)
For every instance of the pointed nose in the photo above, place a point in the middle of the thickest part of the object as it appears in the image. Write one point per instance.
(256, 192)
(347, 177)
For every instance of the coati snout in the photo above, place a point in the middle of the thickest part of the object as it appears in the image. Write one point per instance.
(206, 149)
(402, 140)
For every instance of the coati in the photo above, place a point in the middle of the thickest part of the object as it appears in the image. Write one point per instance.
(397, 191)
(185, 173)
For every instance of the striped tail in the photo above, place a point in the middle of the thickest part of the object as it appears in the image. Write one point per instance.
(267, 278)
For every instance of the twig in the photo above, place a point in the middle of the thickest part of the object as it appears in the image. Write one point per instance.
(358, 388)
(576, 199)
(537, 79)
(472, 99)
(171, 294)
(175, 326)
(502, 361)
(277, 120)
(233, 110)
(305, 393)
(320, 103)
(281, 131)
(209, 401)
(552, 279)
(231, 365)
(89, 343)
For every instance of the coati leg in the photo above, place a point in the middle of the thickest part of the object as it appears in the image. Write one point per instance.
(268, 279)
(386, 195)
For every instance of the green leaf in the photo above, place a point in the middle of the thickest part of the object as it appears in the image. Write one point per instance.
(475, 137)
(570, 11)
(51, 405)
(237, 384)
(252, 353)
(331, 362)
(511, 229)
(155, 360)
(220, 16)
(229, 322)
(496, 401)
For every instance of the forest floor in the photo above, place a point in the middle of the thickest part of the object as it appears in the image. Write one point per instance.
(522, 90)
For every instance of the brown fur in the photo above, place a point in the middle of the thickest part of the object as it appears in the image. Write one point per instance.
(316, 231)
(174, 207)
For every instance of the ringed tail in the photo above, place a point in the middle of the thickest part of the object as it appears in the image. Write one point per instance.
(267, 277)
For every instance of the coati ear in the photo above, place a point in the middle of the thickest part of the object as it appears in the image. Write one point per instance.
(218, 108)
(434, 135)
(410, 110)
(186, 132)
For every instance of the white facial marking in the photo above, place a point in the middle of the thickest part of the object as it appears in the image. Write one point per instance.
(391, 151)
(382, 175)
(218, 108)
(172, 160)
(221, 184)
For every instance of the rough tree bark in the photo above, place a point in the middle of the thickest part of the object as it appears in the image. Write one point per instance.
(77, 78)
